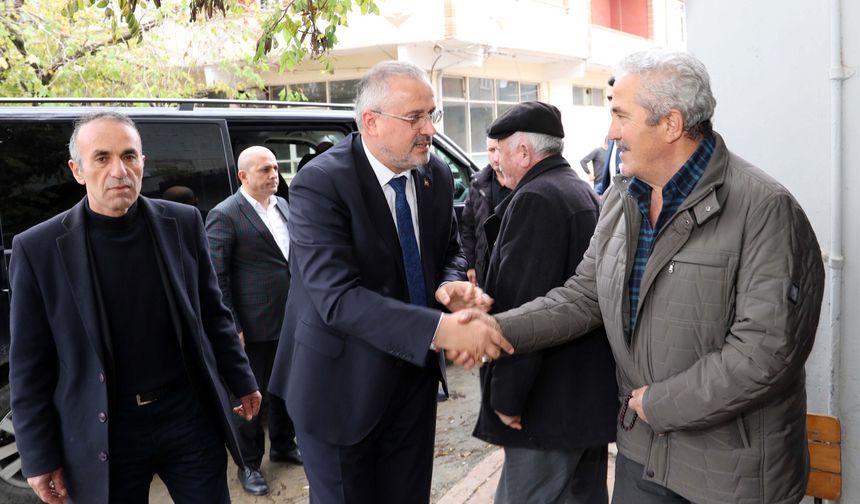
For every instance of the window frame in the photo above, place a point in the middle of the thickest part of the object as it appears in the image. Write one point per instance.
(478, 153)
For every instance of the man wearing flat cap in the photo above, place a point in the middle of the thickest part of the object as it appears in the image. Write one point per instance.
(532, 404)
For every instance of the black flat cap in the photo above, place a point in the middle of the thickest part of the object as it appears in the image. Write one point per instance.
(531, 117)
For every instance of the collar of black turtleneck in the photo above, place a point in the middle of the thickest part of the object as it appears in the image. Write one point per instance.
(108, 224)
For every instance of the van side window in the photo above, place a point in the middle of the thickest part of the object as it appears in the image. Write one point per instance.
(35, 181)
(290, 145)
(462, 176)
(191, 155)
(36, 184)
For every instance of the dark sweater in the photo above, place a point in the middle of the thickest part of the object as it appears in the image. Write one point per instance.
(145, 345)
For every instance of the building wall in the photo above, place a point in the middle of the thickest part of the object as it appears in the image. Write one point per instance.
(630, 16)
(469, 25)
(770, 69)
(551, 43)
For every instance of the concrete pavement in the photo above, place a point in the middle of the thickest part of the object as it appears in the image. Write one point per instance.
(479, 485)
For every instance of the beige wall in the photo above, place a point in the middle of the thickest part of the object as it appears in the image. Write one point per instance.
(535, 41)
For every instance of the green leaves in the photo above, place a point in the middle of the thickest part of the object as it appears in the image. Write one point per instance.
(307, 29)
(119, 48)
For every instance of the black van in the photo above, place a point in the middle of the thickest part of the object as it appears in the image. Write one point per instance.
(191, 143)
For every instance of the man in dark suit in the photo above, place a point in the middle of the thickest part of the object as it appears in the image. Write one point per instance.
(121, 346)
(250, 245)
(612, 162)
(372, 234)
(555, 452)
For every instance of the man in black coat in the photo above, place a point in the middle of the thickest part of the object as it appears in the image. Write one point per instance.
(554, 451)
(487, 190)
(122, 351)
(250, 245)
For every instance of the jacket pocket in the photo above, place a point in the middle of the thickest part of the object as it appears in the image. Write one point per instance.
(699, 284)
(731, 435)
(320, 339)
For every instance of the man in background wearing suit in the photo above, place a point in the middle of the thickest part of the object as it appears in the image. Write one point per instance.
(373, 234)
(121, 346)
(250, 246)
(612, 163)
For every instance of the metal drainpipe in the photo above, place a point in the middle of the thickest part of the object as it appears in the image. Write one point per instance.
(835, 262)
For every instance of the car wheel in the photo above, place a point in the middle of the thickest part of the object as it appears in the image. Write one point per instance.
(13, 485)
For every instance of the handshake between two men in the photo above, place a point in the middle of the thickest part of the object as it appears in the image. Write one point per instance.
(469, 336)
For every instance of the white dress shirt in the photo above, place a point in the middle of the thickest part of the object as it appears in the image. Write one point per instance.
(384, 175)
(274, 221)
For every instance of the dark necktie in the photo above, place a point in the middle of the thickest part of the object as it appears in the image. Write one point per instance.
(408, 244)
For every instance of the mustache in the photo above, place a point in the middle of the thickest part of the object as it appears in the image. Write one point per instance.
(423, 139)
(125, 181)
(623, 146)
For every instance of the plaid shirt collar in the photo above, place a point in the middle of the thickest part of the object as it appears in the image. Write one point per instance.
(679, 186)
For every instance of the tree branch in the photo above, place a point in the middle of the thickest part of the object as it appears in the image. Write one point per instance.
(92, 49)
(15, 36)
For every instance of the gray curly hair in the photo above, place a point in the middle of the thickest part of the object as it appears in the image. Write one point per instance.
(673, 80)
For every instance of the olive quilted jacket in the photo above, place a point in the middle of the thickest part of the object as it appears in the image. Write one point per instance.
(728, 311)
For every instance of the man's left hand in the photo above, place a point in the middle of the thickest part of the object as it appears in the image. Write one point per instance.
(514, 422)
(460, 295)
(636, 402)
(249, 405)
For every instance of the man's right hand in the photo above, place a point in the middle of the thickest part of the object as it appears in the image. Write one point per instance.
(471, 338)
(242, 337)
(50, 487)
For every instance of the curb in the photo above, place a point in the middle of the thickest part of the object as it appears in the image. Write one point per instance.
(479, 486)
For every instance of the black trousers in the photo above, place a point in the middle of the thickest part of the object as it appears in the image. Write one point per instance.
(631, 488)
(172, 437)
(282, 434)
(394, 463)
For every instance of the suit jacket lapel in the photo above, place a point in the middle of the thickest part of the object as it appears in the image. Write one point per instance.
(426, 217)
(284, 209)
(73, 252)
(254, 218)
(165, 232)
(377, 207)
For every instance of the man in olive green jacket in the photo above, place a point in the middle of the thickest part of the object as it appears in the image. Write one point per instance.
(708, 279)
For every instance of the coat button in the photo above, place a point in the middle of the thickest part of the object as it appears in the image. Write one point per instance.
(102, 417)
(101, 377)
(103, 456)
(650, 473)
